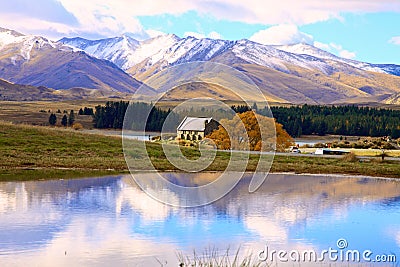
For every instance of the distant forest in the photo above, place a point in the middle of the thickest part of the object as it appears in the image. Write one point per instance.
(296, 120)
(339, 120)
(112, 116)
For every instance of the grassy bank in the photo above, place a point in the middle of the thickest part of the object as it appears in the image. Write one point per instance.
(30, 152)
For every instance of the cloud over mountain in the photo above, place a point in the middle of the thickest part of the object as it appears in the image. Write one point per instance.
(395, 40)
(105, 18)
(284, 34)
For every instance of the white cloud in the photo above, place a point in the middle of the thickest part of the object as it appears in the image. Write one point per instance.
(103, 17)
(268, 229)
(322, 46)
(106, 18)
(397, 235)
(281, 35)
(347, 54)
(211, 35)
(290, 34)
(214, 35)
(24, 25)
(336, 49)
(154, 33)
(395, 40)
(194, 34)
(292, 11)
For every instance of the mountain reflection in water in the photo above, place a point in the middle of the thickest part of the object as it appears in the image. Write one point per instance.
(104, 221)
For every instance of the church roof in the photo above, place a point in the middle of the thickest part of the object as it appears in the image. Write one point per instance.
(193, 124)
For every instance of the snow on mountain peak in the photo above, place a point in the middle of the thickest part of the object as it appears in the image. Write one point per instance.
(306, 49)
(10, 32)
(10, 38)
(124, 51)
(127, 52)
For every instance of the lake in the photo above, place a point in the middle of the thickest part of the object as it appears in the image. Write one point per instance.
(137, 135)
(111, 222)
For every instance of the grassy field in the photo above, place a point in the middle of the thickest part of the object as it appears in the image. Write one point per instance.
(29, 112)
(37, 152)
(361, 152)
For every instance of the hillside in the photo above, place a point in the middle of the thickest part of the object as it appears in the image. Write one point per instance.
(10, 91)
(37, 61)
(297, 74)
(62, 153)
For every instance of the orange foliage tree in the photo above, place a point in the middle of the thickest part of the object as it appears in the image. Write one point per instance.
(246, 129)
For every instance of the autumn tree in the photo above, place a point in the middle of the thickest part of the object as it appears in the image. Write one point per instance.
(220, 138)
(251, 131)
(283, 139)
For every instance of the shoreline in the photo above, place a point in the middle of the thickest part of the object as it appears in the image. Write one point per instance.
(72, 174)
(50, 153)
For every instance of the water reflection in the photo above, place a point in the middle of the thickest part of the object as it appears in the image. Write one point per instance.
(110, 220)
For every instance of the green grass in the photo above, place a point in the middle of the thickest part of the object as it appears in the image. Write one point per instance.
(321, 165)
(48, 173)
(362, 152)
(34, 152)
(212, 257)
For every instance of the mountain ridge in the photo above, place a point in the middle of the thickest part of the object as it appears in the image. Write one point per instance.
(37, 61)
(296, 51)
(298, 73)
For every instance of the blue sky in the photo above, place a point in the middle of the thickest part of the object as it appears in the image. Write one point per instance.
(358, 29)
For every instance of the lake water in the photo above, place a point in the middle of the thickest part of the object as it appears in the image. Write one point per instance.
(302, 142)
(137, 135)
(111, 222)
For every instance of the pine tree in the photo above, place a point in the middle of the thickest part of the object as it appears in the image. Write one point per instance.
(52, 119)
(64, 121)
(71, 118)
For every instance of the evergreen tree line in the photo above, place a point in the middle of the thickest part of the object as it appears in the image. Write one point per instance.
(112, 116)
(65, 120)
(241, 108)
(339, 120)
(86, 111)
(296, 120)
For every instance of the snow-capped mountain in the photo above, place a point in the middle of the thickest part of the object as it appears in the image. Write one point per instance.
(38, 61)
(306, 49)
(124, 51)
(25, 43)
(297, 73)
(127, 52)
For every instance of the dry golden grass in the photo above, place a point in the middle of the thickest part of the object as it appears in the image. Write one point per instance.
(36, 152)
(29, 112)
(199, 89)
(351, 157)
(361, 152)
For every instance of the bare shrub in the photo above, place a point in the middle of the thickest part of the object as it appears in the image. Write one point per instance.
(77, 126)
(350, 157)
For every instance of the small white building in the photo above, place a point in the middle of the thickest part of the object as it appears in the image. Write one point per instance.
(195, 128)
(325, 151)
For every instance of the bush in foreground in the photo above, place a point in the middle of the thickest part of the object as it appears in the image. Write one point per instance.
(350, 157)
